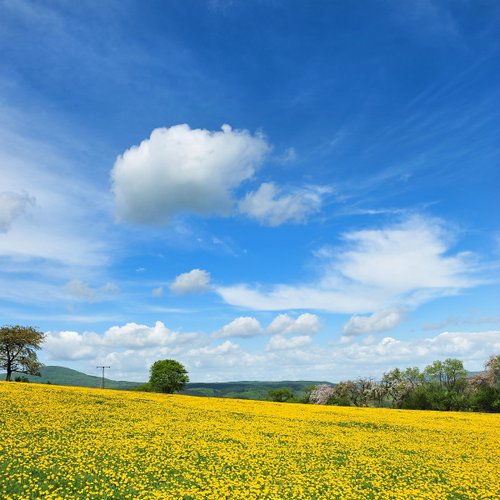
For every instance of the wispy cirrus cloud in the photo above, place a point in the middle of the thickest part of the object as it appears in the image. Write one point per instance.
(39, 176)
(83, 291)
(461, 320)
(400, 265)
(12, 206)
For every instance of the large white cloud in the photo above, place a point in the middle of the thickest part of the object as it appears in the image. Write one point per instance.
(380, 321)
(195, 281)
(402, 265)
(12, 206)
(179, 169)
(271, 207)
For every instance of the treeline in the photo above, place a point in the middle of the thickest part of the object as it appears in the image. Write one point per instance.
(443, 385)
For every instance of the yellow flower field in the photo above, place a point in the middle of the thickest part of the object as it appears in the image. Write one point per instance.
(65, 443)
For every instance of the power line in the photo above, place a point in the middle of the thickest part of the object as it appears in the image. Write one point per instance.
(102, 380)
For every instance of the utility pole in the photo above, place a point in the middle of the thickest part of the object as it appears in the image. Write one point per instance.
(102, 380)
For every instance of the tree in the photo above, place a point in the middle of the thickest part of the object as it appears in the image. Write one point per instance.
(485, 387)
(321, 394)
(492, 367)
(445, 384)
(341, 394)
(17, 350)
(280, 395)
(396, 386)
(450, 374)
(399, 385)
(168, 376)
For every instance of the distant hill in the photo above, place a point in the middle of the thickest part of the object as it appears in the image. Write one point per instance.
(246, 390)
(59, 375)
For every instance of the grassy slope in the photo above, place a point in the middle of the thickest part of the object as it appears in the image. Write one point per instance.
(58, 375)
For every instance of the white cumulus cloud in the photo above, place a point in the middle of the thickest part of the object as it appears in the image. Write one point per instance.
(380, 321)
(244, 327)
(67, 345)
(271, 207)
(184, 170)
(471, 347)
(131, 349)
(134, 336)
(195, 281)
(283, 324)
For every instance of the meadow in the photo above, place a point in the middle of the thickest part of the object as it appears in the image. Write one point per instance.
(77, 443)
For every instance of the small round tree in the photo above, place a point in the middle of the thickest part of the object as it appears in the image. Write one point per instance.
(168, 376)
(280, 395)
(17, 350)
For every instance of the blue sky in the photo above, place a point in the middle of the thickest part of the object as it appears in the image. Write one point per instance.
(260, 190)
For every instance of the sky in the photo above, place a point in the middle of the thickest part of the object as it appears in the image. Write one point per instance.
(261, 190)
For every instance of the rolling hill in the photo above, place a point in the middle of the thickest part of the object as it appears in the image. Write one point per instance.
(59, 375)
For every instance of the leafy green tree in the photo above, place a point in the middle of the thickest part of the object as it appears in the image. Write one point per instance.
(485, 387)
(341, 394)
(18, 346)
(400, 384)
(168, 376)
(450, 374)
(418, 398)
(413, 376)
(353, 392)
(446, 383)
(281, 395)
(492, 369)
